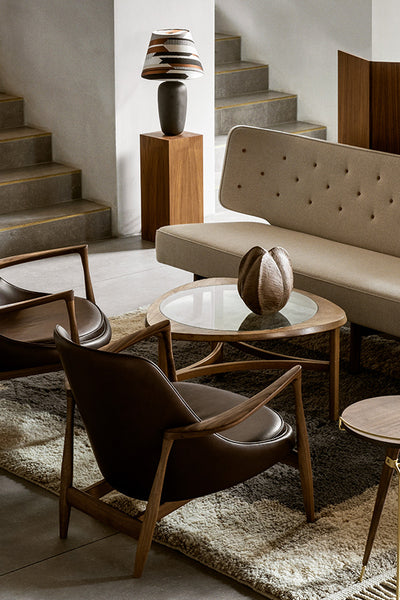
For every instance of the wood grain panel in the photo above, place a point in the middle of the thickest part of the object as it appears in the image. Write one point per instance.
(353, 100)
(171, 180)
(385, 107)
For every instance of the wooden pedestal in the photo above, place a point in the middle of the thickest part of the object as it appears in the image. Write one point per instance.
(171, 180)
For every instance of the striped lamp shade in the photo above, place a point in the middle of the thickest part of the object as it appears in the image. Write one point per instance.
(172, 55)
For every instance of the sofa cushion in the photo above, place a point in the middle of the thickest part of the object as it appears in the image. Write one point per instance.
(365, 283)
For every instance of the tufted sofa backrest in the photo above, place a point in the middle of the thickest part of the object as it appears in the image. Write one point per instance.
(338, 192)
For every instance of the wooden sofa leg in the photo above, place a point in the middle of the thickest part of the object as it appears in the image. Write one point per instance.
(355, 347)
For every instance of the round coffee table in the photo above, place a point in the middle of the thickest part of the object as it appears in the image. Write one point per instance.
(211, 310)
(378, 419)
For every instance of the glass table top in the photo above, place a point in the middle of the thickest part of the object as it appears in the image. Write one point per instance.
(219, 307)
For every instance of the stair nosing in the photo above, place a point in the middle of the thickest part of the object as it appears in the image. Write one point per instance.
(12, 99)
(260, 66)
(56, 218)
(68, 171)
(25, 137)
(285, 97)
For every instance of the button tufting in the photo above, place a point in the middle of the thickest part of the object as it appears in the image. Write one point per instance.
(378, 178)
(391, 200)
(327, 186)
(340, 208)
(346, 170)
(315, 164)
(243, 149)
(297, 179)
(372, 216)
(239, 186)
(284, 157)
(310, 201)
(277, 193)
(262, 173)
(358, 193)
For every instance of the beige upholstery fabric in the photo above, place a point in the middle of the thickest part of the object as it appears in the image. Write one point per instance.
(334, 208)
(350, 195)
(364, 283)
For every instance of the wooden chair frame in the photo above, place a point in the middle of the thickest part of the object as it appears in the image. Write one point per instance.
(67, 296)
(142, 526)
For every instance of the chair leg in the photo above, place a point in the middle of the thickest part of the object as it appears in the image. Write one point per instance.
(304, 458)
(386, 476)
(67, 467)
(152, 510)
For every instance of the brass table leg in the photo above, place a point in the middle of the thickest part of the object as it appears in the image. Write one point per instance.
(334, 352)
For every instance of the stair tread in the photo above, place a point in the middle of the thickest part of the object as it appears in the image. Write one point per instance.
(242, 65)
(225, 36)
(296, 126)
(9, 98)
(251, 98)
(49, 213)
(19, 133)
(38, 171)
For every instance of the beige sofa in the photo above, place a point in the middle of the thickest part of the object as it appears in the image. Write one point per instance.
(335, 208)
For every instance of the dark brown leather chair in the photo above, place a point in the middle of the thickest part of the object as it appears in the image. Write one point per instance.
(165, 441)
(28, 318)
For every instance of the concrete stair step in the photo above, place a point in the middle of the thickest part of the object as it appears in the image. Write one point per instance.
(239, 78)
(62, 224)
(259, 109)
(23, 146)
(227, 48)
(11, 111)
(38, 185)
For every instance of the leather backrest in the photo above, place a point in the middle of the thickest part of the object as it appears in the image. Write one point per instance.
(338, 192)
(126, 403)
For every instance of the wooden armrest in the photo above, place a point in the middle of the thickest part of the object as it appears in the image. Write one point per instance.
(237, 414)
(81, 249)
(162, 330)
(67, 296)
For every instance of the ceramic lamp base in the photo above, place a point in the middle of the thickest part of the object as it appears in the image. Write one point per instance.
(172, 102)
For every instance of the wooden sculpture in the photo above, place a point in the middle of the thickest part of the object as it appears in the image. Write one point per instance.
(265, 279)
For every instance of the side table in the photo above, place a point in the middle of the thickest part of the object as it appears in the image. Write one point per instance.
(171, 174)
(378, 419)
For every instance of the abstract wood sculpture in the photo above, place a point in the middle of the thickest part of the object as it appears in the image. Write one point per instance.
(265, 279)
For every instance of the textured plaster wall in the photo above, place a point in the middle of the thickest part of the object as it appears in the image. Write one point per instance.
(300, 39)
(59, 55)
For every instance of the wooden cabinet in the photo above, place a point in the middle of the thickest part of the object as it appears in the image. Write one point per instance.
(171, 180)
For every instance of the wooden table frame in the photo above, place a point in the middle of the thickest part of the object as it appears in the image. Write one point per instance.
(328, 318)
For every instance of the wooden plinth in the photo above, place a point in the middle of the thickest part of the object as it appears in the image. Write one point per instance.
(171, 180)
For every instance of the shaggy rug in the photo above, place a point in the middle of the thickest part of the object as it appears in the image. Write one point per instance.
(256, 532)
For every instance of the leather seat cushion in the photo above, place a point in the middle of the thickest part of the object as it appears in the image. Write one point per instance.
(265, 424)
(36, 324)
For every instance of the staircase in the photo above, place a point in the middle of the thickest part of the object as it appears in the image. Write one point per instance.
(243, 97)
(40, 200)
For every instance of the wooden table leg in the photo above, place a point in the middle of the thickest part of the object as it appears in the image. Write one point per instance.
(334, 353)
(386, 476)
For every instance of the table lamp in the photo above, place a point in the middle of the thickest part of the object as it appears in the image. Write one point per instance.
(172, 56)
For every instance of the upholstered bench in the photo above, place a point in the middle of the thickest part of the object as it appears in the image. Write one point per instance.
(335, 208)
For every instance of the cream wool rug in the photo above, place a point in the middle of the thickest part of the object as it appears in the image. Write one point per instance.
(256, 532)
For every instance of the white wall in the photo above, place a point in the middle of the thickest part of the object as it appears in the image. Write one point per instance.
(299, 39)
(59, 55)
(136, 98)
(385, 30)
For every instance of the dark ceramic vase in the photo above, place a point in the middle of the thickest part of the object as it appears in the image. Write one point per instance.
(172, 102)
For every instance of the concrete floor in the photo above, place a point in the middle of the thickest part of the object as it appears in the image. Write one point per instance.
(94, 562)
